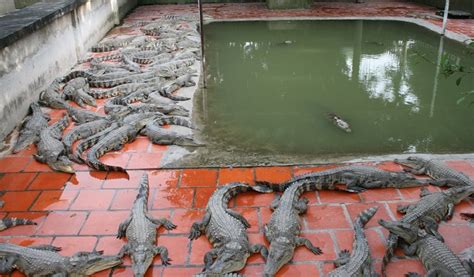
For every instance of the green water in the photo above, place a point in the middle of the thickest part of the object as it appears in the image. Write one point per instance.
(269, 97)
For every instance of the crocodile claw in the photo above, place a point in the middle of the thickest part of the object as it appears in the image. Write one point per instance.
(169, 225)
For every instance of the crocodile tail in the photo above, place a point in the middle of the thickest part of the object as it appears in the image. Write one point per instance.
(86, 144)
(392, 242)
(175, 120)
(273, 186)
(77, 74)
(9, 222)
(68, 140)
(144, 187)
(59, 126)
(365, 216)
(95, 163)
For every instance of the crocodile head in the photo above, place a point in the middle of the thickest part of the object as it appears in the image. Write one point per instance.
(141, 260)
(280, 253)
(88, 263)
(412, 162)
(457, 194)
(409, 232)
(232, 257)
(62, 164)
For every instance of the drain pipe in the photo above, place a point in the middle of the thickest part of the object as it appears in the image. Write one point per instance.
(203, 59)
(445, 17)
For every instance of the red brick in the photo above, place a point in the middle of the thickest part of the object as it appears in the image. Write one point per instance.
(463, 207)
(252, 217)
(115, 159)
(373, 195)
(257, 238)
(173, 198)
(13, 164)
(252, 270)
(199, 248)
(87, 180)
(273, 174)
(199, 178)
(393, 208)
(25, 230)
(163, 178)
(93, 200)
(29, 241)
(355, 209)
(326, 217)
(457, 238)
(118, 179)
(229, 175)
(124, 199)
(54, 200)
(253, 199)
(184, 219)
(49, 180)
(155, 148)
(35, 166)
(177, 248)
(16, 181)
(298, 270)
(103, 223)
(202, 196)
(27, 152)
(62, 223)
(398, 268)
(322, 240)
(72, 245)
(327, 196)
(345, 239)
(180, 271)
(110, 245)
(18, 200)
(145, 161)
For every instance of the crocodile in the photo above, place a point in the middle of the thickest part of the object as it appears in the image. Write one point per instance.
(83, 131)
(51, 96)
(226, 230)
(42, 260)
(9, 222)
(430, 209)
(167, 90)
(81, 116)
(91, 141)
(120, 90)
(358, 178)
(442, 174)
(112, 44)
(174, 120)
(140, 230)
(115, 140)
(185, 80)
(165, 109)
(437, 258)
(115, 106)
(159, 135)
(359, 263)
(156, 98)
(77, 91)
(50, 148)
(31, 128)
(284, 226)
(339, 122)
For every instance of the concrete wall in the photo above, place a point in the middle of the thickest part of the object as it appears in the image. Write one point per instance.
(31, 63)
(6, 6)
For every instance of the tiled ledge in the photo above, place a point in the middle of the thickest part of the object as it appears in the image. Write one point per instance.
(18, 24)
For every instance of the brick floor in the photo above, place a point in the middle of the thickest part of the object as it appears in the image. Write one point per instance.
(81, 212)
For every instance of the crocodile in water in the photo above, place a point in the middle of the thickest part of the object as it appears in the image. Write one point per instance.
(359, 263)
(42, 260)
(226, 230)
(140, 230)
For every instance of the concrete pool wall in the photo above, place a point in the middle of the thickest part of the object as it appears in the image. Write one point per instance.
(42, 42)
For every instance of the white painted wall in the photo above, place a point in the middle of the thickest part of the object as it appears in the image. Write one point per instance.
(30, 64)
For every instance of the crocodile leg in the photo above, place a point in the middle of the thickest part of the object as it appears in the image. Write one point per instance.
(431, 226)
(163, 251)
(302, 205)
(209, 258)
(416, 171)
(343, 258)
(125, 250)
(238, 217)
(424, 192)
(162, 221)
(275, 202)
(123, 227)
(446, 182)
(39, 158)
(198, 227)
(304, 241)
(403, 209)
(256, 248)
(46, 247)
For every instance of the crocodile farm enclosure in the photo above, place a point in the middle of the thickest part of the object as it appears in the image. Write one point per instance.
(277, 138)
